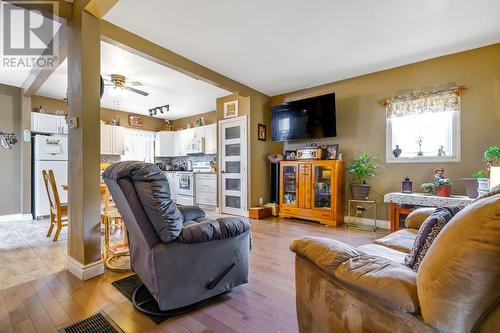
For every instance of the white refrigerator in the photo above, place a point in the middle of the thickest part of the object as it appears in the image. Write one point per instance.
(49, 153)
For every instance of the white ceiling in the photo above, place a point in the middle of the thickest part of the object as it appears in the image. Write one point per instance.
(187, 96)
(283, 45)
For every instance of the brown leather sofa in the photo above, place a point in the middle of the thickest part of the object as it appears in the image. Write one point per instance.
(340, 288)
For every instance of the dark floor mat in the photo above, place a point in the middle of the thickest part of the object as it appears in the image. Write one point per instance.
(145, 303)
(97, 323)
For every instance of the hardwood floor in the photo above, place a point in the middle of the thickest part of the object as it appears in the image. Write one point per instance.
(265, 304)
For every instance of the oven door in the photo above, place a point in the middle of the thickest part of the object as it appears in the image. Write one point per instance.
(185, 184)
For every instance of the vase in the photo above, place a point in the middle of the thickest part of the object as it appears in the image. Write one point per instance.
(360, 191)
(471, 186)
(444, 190)
(397, 151)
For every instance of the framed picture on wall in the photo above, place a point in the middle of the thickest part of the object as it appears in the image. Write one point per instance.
(135, 121)
(262, 135)
(332, 152)
(231, 109)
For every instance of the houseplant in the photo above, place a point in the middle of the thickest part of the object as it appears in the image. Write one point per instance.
(362, 169)
(471, 184)
(443, 187)
(492, 158)
(427, 187)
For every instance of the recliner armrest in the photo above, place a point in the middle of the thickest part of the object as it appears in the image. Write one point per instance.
(326, 253)
(221, 228)
(191, 212)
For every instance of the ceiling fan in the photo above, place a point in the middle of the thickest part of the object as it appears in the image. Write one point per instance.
(120, 84)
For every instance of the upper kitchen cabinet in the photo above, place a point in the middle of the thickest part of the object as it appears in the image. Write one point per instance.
(112, 140)
(48, 123)
(164, 144)
(210, 133)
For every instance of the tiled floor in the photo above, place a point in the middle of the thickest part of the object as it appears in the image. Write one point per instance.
(26, 254)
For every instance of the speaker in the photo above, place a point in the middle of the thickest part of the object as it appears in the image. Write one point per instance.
(275, 183)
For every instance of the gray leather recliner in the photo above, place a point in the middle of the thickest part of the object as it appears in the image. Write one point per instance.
(181, 256)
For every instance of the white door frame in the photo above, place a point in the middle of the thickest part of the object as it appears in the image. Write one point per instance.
(243, 122)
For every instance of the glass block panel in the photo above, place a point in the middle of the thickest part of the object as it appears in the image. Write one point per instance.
(233, 201)
(233, 184)
(233, 149)
(233, 167)
(232, 132)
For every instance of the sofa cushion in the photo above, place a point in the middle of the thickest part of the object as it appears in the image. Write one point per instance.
(326, 253)
(383, 278)
(383, 251)
(401, 240)
(415, 219)
(427, 233)
(459, 278)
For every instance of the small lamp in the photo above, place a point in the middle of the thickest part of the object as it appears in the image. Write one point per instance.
(494, 176)
(406, 186)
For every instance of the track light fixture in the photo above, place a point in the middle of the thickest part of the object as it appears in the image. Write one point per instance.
(159, 109)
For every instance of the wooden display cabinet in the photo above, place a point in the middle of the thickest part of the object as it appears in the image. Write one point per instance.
(312, 190)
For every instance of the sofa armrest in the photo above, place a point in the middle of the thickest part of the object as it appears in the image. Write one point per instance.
(326, 253)
(415, 219)
(191, 212)
(382, 278)
(210, 230)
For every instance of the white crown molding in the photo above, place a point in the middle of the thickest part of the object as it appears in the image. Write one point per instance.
(84, 272)
(16, 217)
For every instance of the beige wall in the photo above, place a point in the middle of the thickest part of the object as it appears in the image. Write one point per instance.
(361, 120)
(10, 160)
(210, 117)
(52, 105)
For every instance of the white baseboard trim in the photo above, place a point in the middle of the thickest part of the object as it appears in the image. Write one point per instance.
(382, 224)
(16, 217)
(84, 272)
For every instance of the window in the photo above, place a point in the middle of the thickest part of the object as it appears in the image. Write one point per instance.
(139, 146)
(423, 127)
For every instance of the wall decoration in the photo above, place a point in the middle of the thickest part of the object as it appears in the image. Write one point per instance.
(135, 121)
(231, 109)
(290, 155)
(332, 152)
(262, 132)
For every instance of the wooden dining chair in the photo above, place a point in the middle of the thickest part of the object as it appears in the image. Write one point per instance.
(58, 211)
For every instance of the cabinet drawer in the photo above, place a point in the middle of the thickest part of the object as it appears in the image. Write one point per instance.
(206, 198)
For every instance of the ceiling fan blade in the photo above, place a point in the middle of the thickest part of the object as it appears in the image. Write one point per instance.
(134, 83)
(137, 91)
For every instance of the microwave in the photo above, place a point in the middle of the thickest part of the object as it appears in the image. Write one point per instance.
(196, 146)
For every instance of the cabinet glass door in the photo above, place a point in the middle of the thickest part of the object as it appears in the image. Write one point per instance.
(289, 185)
(322, 186)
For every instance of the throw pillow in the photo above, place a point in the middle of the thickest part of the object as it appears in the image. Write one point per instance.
(427, 233)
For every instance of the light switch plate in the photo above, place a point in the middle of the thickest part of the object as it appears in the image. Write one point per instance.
(73, 122)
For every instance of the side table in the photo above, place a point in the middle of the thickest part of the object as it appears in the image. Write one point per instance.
(353, 224)
(405, 203)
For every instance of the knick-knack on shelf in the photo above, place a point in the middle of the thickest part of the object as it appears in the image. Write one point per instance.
(397, 151)
(420, 141)
(441, 151)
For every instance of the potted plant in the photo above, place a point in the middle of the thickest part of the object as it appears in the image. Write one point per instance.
(427, 187)
(443, 187)
(492, 158)
(361, 169)
(471, 184)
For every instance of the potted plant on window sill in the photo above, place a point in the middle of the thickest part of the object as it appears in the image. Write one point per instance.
(443, 187)
(362, 169)
(492, 159)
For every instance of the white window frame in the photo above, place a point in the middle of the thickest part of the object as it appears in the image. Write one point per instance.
(456, 142)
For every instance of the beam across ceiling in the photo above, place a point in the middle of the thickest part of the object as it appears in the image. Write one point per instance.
(99, 8)
(133, 43)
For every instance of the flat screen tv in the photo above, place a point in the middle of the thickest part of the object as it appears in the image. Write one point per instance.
(304, 119)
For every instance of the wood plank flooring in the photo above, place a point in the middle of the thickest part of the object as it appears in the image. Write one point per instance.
(265, 304)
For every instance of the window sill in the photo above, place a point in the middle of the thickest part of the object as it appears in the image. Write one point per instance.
(423, 159)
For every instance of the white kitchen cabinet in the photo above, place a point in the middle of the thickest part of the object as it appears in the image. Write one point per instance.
(210, 133)
(206, 189)
(48, 123)
(112, 140)
(164, 144)
(178, 143)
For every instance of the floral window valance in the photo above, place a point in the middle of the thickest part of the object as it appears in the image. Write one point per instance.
(417, 102)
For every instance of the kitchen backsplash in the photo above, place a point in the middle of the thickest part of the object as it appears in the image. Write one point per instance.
(181, 159)
(110, 158)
